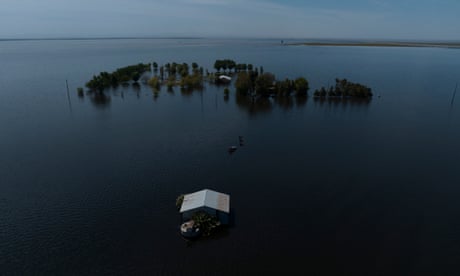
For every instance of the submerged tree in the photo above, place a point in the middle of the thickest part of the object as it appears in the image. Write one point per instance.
(264, 84)
(121, 75)
(155, 83)
(345, 89)
(243, 83)
(301, 86)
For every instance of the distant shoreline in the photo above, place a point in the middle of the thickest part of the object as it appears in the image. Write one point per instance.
(94, 38)
(380, 44)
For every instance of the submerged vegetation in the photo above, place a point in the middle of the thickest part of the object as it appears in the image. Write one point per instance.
(121, 75)
(205, 222)
(344, 89)
(265, 84)
(252, 84)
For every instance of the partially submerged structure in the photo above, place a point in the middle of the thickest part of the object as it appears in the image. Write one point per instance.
(211, 202)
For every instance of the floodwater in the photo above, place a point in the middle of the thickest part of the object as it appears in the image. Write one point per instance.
(88, 185)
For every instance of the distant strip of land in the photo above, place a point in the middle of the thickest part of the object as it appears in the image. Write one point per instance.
(455, 45)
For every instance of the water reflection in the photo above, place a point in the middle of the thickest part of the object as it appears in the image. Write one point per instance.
(337, 101)
(100, 99)
(285, 102)
(301, 101)
(186, 92)
(156, 93)
(137, 89)
(253, 105)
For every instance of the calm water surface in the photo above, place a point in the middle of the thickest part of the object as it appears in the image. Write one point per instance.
(320, 188)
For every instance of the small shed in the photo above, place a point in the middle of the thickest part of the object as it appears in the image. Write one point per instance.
(212, 202)
(223, 79)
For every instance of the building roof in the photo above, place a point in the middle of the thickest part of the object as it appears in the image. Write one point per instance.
(206, 198)
(224, 77)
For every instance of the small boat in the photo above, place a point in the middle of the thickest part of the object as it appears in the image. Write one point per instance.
(189, 230)
(232, 149)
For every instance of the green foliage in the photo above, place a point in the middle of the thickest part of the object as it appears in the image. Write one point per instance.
(249, 79)
(241, 67)
(345, 89)
(155, 83)
(194, 65)
(171, 82)
(179, 201)
(182, 69)
(191, 82)
(205, 222)
(284, 87)
(80, 92)
(224, 64)
(135, 76)
(264, 84)
(121, 75)
(243, 83)
(301, 86)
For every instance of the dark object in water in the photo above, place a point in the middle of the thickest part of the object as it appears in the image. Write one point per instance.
(232, 149)
(240, 138)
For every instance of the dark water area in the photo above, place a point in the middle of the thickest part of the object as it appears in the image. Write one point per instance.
(319, 188)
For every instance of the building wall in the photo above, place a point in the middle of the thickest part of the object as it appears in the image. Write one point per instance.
(223, 217)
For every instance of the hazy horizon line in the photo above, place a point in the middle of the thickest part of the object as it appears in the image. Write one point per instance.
(228, 37)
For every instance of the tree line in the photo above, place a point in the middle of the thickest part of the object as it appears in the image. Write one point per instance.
(265, 84)
(120, 75)
(344, 89)
(250, 80)
(232, 66)
(173, 74)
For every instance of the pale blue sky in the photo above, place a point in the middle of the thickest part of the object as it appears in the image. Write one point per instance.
(371, 19)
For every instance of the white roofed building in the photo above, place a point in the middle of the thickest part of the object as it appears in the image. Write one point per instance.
(212, 202)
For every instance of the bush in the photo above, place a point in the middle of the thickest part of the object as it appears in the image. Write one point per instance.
(154, 82)
(205, 222)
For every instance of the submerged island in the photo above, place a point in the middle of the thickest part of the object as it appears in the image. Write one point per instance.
(251, 81)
